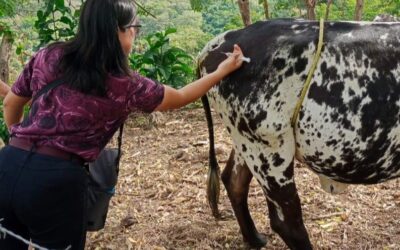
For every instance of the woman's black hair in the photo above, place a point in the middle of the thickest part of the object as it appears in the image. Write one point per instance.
(96, 51)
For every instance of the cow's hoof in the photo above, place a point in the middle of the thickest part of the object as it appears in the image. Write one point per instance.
(257, 241)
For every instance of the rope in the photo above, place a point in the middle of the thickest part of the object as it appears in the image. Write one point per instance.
(310, 73)
(4, 232)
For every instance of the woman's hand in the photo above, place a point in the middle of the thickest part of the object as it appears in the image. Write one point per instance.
(233, 62)
(177, 98)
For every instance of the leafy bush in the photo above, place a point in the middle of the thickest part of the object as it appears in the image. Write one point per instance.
(57, 22)
(161, 61)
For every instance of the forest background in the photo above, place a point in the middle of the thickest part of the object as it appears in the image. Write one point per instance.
(173, 33)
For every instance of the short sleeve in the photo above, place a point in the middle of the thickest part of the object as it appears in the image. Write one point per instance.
(21, 87)
(144, 94)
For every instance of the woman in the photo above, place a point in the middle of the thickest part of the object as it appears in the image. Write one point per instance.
(42, 181)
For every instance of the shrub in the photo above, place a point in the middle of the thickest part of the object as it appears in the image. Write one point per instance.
(161, 61)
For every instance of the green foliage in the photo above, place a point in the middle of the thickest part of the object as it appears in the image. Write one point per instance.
(173, 13)
(374, 7)
(5, 29)
(220, 16)
(7, 7)
(199, 5)
(163, 62)
(287, 8)
(339, 9)
(57, 22)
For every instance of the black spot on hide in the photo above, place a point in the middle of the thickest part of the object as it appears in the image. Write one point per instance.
(297, 50)
(277, 160)
(331, 97)
(300, 65)
(289, 72)
(279, 63)
(243, 127)
(255, 122)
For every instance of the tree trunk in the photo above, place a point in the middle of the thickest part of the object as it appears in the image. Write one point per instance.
(244, 7)
(310, 9)
(359, 10)
(328, 6)
(5, 53)
(266, 9)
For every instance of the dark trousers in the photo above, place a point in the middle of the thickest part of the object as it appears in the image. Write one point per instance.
(42, 198)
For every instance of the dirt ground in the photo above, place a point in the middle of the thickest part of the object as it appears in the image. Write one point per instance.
(161, 197)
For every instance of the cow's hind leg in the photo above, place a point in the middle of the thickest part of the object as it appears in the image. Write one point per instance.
(285, 214)
(271, 164)
(236, 178)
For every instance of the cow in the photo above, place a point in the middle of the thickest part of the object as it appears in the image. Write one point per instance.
(348, 125)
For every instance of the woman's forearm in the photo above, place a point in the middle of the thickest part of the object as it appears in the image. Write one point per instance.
(12, 115)
(198, 88)
(176, 98)
(14, 108)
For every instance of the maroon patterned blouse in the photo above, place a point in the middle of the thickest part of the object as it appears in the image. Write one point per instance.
(82, 124)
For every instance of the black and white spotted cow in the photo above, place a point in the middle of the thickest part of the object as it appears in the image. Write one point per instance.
(348, 128)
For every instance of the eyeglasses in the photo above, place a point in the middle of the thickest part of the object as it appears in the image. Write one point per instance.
(135, 26)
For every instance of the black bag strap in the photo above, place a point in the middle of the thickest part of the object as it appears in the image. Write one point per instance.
(55, 83)
(121, 130)
(46, 88)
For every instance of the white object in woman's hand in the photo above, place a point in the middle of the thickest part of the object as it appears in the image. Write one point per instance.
(243, 58)
(233, 62)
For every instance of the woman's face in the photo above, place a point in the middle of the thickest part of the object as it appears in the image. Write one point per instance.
(127, 36)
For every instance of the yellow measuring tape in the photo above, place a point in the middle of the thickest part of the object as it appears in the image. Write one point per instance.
(310, 73)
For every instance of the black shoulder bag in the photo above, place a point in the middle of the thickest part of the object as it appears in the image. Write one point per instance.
(103, 176)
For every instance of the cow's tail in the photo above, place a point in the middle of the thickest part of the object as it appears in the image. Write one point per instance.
(213, 187)
(213, 171)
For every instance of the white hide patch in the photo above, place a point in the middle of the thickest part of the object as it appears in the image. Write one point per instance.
(384, 37)
(278, 209)
(331, 186)
(212, 45)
